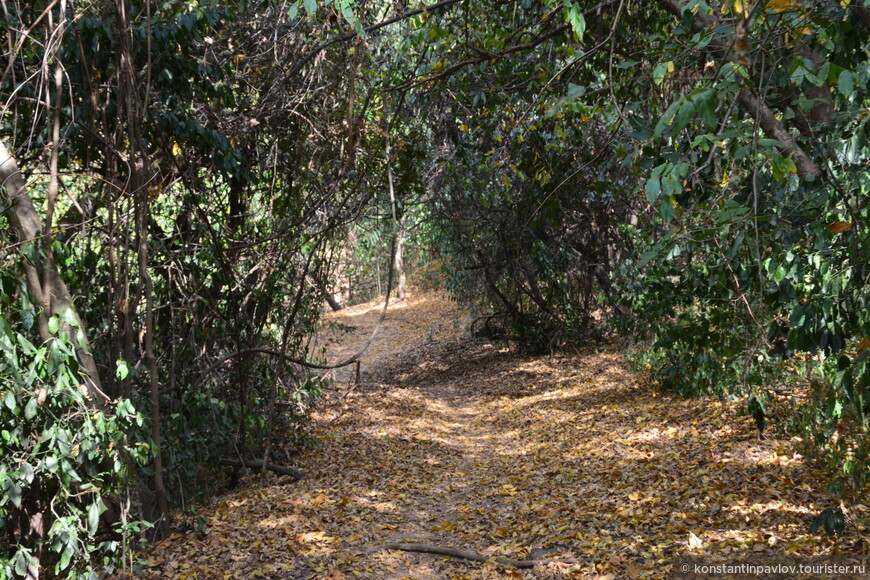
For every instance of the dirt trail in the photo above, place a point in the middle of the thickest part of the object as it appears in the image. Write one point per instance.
(465, 444)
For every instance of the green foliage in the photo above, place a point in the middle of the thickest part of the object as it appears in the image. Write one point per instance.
(753, 276)
(529, 178)
(63, 462)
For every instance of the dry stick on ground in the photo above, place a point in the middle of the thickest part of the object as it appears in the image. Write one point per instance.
(473, 556)
(280, 469)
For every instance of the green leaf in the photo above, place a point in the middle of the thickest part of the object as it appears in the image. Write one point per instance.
(666, 208)
(684, 116)
(574, 16)
(346, 9)
(310, 7)
(20, 564)
(666, 119)
(293, 11)
(26, 473)
(705, 104)
(14, 494)
(30, 409)
(66, 556)
(846, 84)
(50, 464)
(661, 71)
(646, 258)
(53, 324)
(94, 512)
(121, 369)
(10, 401)
(653, 189)
(70, 318)
(29, 251)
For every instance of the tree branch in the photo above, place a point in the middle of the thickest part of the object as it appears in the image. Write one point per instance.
(371, 28)
(721, 48)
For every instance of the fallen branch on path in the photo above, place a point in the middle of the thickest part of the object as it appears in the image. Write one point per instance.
(473, 556)
(279, 469)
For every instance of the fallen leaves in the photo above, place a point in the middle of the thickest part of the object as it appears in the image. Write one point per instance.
(467, 445)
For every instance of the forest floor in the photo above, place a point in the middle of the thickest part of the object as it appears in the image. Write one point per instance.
(462, 443)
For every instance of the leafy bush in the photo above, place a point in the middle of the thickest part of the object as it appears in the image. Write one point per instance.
(64, 461)
(751, 267)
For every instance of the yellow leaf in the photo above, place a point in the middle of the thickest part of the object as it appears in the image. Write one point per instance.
(445, 526)
(738, 5)
(780, 6)
(635, 495)
(310, 537)
(695, 542)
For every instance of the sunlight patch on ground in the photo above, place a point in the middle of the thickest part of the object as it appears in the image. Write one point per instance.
(465, 444)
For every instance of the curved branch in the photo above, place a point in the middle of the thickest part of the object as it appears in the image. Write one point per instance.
(354, 357)
(279, 469)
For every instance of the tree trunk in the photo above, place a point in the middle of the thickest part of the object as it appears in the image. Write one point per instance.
(321, 285)
(44, 282)
(134, 98)
(161, 522)
(399, 261)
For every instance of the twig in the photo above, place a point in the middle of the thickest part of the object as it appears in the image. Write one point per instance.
(279, 469)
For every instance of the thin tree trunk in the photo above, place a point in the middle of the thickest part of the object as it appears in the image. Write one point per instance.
(134, 107)
(53, 296)
(161, 525)
(318, 283)
(333, 303)
(399, 261)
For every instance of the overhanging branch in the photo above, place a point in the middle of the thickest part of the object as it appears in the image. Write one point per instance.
(721, 48)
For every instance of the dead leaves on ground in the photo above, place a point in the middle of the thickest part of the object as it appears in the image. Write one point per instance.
(467, 445)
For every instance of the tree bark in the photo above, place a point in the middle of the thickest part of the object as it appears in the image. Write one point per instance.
(44, 282)
(864, 14)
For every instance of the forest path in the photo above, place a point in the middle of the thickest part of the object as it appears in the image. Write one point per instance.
(462, 443)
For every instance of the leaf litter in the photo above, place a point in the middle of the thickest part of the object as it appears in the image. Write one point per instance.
(460, 443)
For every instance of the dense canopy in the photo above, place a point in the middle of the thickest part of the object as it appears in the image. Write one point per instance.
(186, 184)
